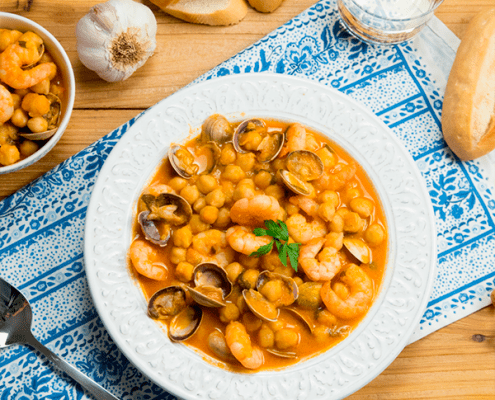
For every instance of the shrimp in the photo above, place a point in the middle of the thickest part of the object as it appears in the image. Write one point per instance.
(210, 246)
(361, 294)
(308, 205)
(296, 139)
(7, 37)
(14, 57)
(302, 231)
(239, 342)
(336, 180)
(6, 104)
(327, 265)
(143, 257)
(255, 210)
(242, 240)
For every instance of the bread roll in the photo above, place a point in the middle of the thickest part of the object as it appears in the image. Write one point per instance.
(209, 12)
(468, 114)
(265, 5)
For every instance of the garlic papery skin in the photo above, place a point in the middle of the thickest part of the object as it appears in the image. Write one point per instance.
(116, 38)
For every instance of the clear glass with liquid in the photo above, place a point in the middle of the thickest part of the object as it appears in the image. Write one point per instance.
(386, 21)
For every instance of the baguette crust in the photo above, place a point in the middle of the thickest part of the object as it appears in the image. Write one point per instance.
(468, 115)
(265, 6)
(191, 11)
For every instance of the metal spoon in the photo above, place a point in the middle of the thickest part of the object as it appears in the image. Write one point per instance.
(15, 328)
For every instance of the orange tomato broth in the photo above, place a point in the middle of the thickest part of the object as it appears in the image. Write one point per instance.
(308, 347)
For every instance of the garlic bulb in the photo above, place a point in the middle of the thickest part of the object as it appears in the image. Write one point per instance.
(116, 38)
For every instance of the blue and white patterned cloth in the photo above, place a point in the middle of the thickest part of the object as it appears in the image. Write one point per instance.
(41, 226)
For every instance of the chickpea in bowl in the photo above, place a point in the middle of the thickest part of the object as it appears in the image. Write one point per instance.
(37, 91)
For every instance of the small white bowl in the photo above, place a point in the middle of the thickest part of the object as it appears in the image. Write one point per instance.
(13, 21)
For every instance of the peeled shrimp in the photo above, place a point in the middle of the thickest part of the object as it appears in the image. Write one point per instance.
(239, 342)
(327, 265)
(242, 240)
(255, 210)
(210, 246)
(14, 57)
(336, 180)
(305, 203)
(7, 37)
(359, 300)
(6, 105)
(296, 139)
(302, 231)
(143, 257)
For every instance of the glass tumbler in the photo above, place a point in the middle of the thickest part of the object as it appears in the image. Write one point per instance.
(386, 21)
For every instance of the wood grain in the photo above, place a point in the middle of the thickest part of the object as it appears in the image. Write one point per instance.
(456, 362)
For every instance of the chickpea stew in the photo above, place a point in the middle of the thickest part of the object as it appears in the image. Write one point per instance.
(31, 89)
(193, 243)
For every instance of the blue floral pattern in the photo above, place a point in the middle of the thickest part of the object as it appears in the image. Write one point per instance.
(42, 225)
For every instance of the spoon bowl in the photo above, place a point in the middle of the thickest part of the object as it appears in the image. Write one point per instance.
(15, 328)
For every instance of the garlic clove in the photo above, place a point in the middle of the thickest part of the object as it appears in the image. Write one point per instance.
(116, 38)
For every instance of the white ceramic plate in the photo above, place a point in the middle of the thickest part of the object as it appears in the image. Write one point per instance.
(378, 339)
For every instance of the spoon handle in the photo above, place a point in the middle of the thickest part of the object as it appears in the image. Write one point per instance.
(88, 384)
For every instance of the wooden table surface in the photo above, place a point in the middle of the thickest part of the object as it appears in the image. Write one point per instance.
(456, 362)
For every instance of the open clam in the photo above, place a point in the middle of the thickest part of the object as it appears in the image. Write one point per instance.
(167, 302)
(294, 183)
(211, 285)
(283, 354)
(164, 211)
(305, 164)
(216, 128)
(279, 289)
(185, 323)
(306, 316)
(358, 249)
(218, 345)
(52, 117)
(187, 164)
(252, 135)
(260, 305)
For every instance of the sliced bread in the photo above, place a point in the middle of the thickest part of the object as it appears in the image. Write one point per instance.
(265, 6)
(208, 12)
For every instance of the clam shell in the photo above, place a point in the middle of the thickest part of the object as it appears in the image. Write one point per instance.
(292, 291)
(167, 302)
(260, 306)
(358, 249)
(306, 164)
(185, 324)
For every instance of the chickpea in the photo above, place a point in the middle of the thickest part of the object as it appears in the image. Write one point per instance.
(266, 337)
(233, 173)
(28, 147)
(321, 333)
(177, 255)
(223, 219)
(246, 182)
(275, 326)
(248, 278)
(57, 90)
(37, 124)
(243, 191)
(246, 161)
(249, 262)
(42, 87)
(309, 295)
(184, 271)
(286, 338)
(182, 237)
(22, 92)
(341, 290)
(337, 224)
(329, 196)
(228, 154)
(326, 318)
(298, 281)
(233, 271)
(327, 156)
(352, 193)
(199, 204)
(190, 193)
(206, 183)
(17, 100)
(251, 322)
(197, 225)
(284, 270)
(263, 179)
(335, 240)
(209, 214)
(19, 118)
(278, 163)
(241, 305)
(326, 211)
(46, 57)
(374, 234)
(291, 209)
(353, 222)
(251, 140)
(276, 191)
(9, 154)
(8, 133)
(272, 290)
(229, 313)
(228, 191)
(177, 183)
(363, 206)
(216, 198)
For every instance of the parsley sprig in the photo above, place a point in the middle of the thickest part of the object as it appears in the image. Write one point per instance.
(280, 236)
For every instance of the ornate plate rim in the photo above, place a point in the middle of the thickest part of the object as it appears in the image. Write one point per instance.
(124, 173)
